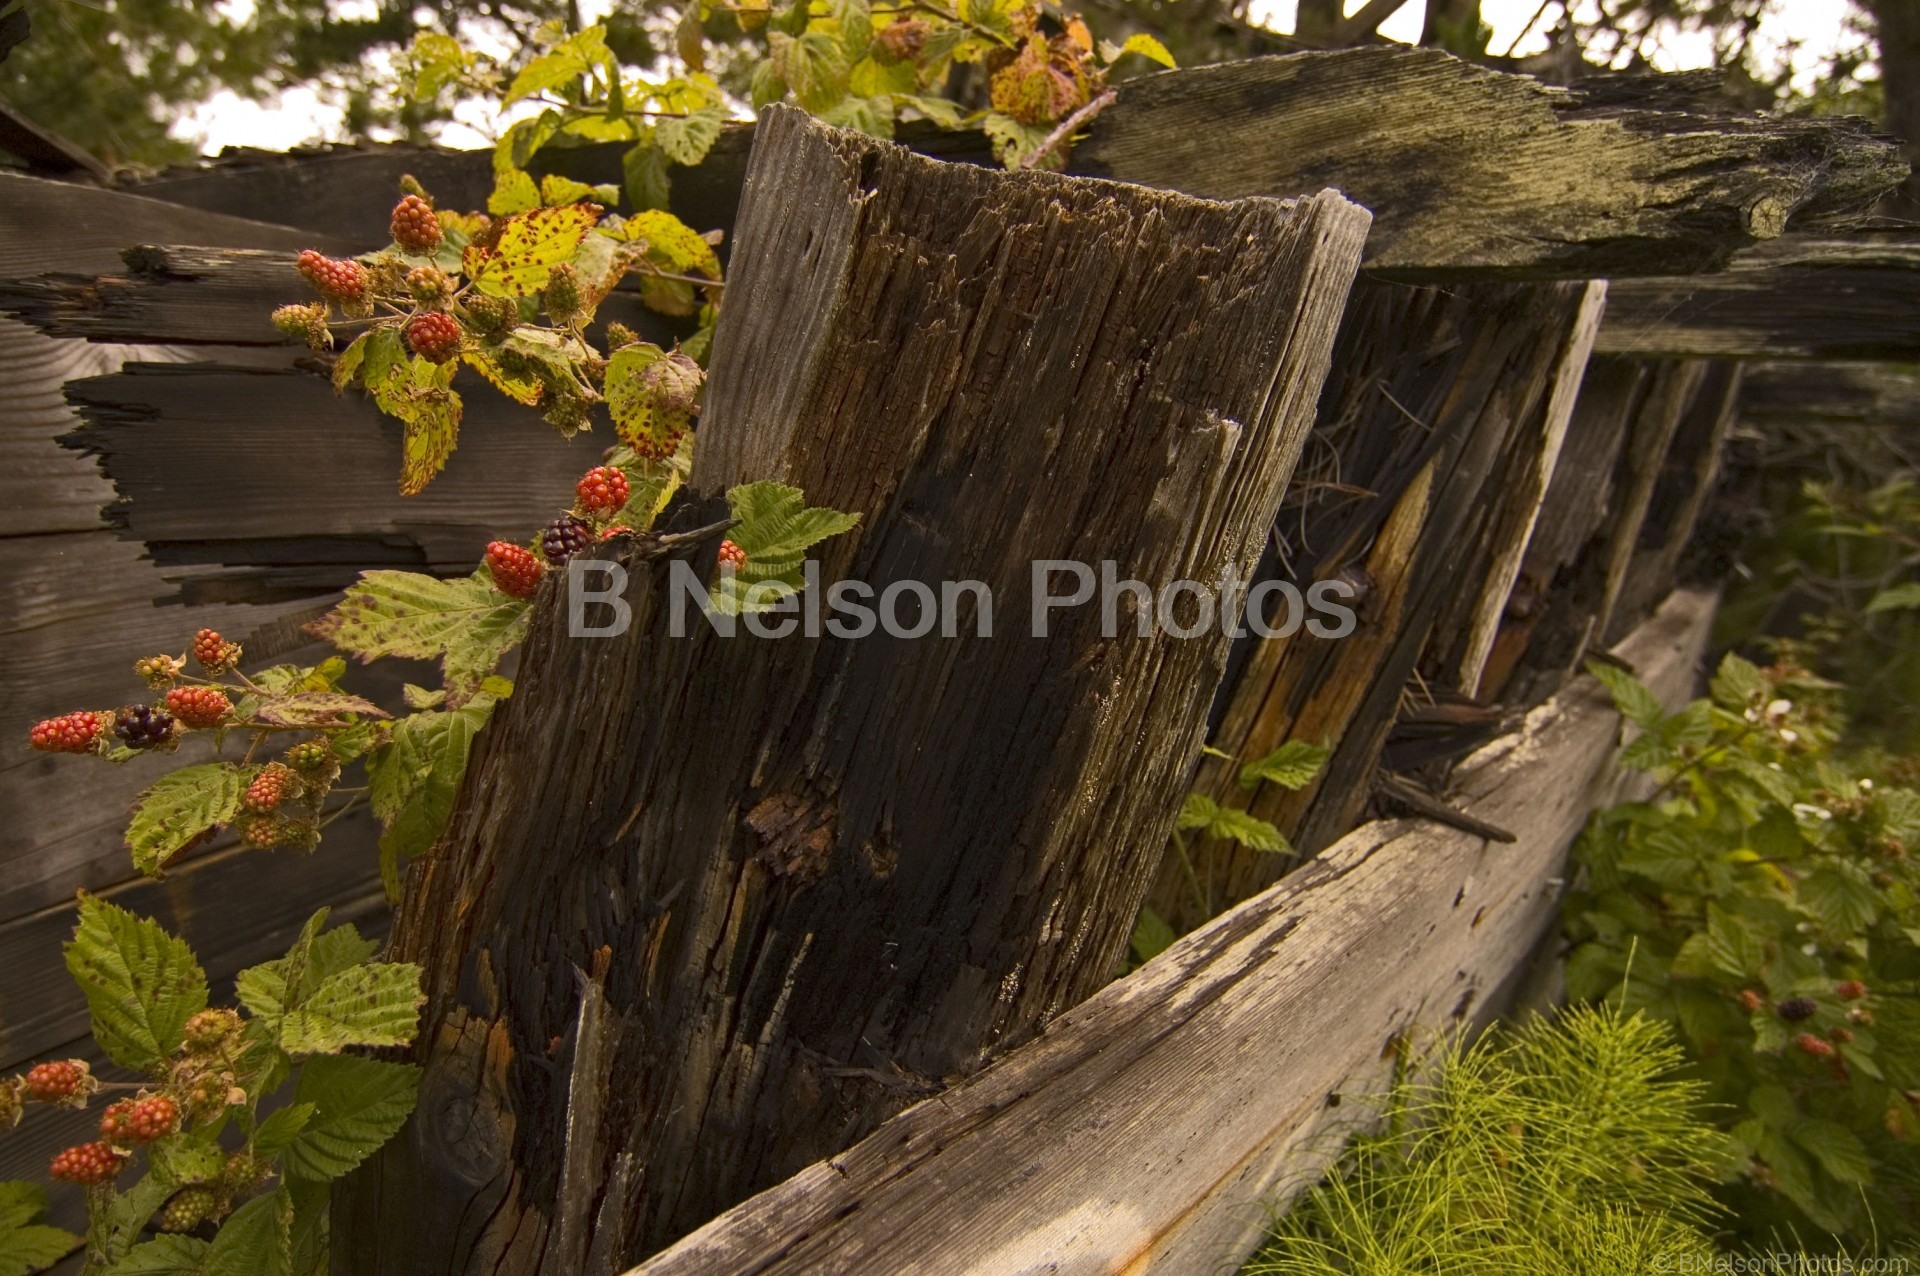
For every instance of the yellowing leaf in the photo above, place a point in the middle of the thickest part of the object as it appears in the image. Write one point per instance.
(513, 192)
(531, 244)
(1148, 47)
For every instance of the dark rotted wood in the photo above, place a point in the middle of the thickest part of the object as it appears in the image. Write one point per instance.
(830, 873)
(1871, 395)
(1681, 490)
(42, 149)
(1798, 297)
(1468, 169)
(1435, 393)
(1574, 575)
(180, 439)
(1154, 1127)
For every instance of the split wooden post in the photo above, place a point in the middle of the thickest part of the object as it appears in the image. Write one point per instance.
(712, 908)
(1435, 436)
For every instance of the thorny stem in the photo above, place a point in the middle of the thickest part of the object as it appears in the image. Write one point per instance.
(1065, 129)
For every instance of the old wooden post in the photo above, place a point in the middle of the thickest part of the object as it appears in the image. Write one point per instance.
(709, 908)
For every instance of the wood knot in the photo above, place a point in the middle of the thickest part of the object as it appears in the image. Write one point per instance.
(1766, 217)
(796, 836)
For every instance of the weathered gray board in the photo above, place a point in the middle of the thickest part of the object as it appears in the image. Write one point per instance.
(1148, 1128)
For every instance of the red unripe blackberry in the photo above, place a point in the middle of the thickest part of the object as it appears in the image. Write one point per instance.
(154, 1117)
(215, 653)
(259, 832)
(59, 1081)
(564, 537)
(434, 335)
(116, 1123)
(68, 733)
(516, 571)
(1842, 1036)
(1752, 1000)
(87, 1165)
(142, 726)
(603, 490)
(1849, 990)
(199, 706)
(731, 554)
(618, 529)
(1818, 1047)
(269, 788)
(1794, 1009)
(336, 280)
(190, 1207)
(414, 226)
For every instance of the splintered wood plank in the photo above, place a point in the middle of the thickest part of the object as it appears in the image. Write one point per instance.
(828, 871)
(1440, 398)
(1680, 493)
(180, 440)
(1798, 297)
(1467, 169)
(1152, 1127)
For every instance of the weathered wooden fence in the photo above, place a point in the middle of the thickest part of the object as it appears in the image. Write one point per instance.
(1508, 462)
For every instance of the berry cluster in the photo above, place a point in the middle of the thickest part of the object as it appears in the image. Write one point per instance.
(215, 654)
(516, 572)
(1849, 990)
(190, 1207)
(199, 706)
(603, 490)
(1818, 1047)
(1794, 1009)
(66, 1082)
(89, 1164)
(138, 1121)
(336, 280)
(210, 1031)
(158, 672)
(434, 335)
(142, 726)
(414, 226)
(564, 537)
(731, 555)
(270, 788)
(68, 733)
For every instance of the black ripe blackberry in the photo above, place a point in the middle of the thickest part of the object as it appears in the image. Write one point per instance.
(1794, 1009)
(564, 537)
(143, 727)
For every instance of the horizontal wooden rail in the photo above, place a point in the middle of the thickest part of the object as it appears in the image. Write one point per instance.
(1150, 1127)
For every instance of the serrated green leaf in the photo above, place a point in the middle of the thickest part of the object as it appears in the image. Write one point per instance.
(651, 483)
(274, 1134)
(414, 777)
(687, 139)
(467, 624)
(180, 807)
(1291, 766)
(112, 1232)
(643, 171)
(1637, 704)
(314, 708)
(1842, 896)
(190, 1157)
(27, 1244)
(377, 1004)
(254, 1241)
(141, 984)
(1202, 813)
(776, 527)
(272, 988)
(165, 1255)
(577, 55)
(1836, 1148)
(1736, 683)
(358, 1104)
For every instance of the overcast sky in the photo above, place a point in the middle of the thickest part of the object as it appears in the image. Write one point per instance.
(1813, 28)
